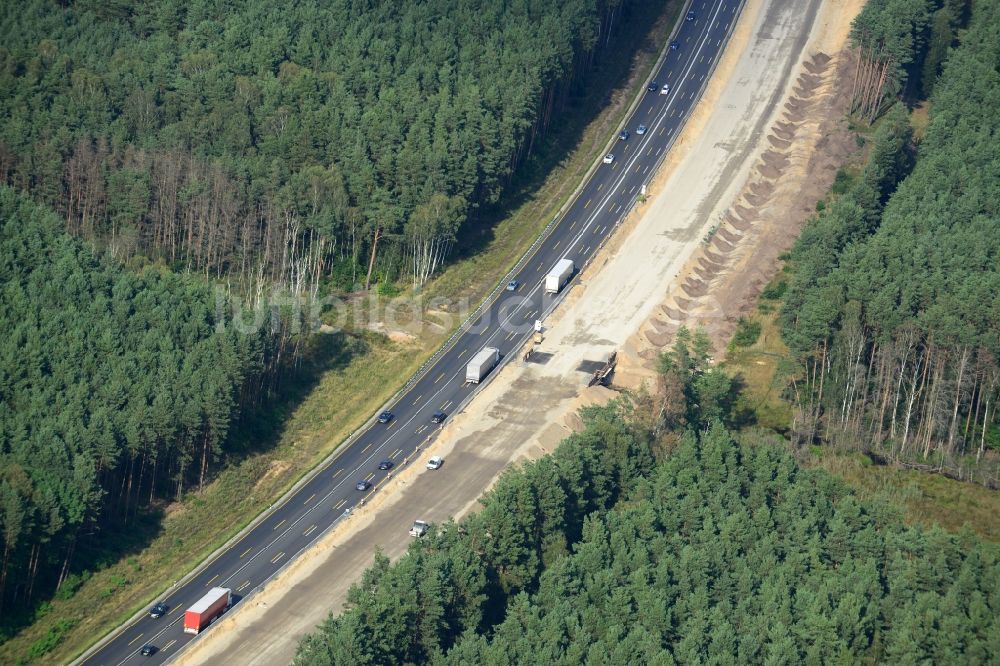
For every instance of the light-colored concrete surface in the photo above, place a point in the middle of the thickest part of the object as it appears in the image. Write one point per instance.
(526, 409)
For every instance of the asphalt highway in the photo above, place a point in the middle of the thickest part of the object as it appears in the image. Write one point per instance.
(504, 323)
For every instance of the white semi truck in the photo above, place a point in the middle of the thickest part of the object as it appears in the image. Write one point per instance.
(481, 364)
(558, 276)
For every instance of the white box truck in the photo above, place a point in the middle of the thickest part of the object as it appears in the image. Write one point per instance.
(481, 364)
(558, 276)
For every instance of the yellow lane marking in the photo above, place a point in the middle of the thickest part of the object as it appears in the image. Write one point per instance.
(278, 557)
(340, 504)
(440, 377)
(397, 452)
(365, 450)
(417, 399)
(311, 497)
(338, 473)
(246, 551)
(211, 579)
(243, 585)
(462, 353)
(135, 639)
(172, 641)
(588, 203)
(309, 531)
(279, 524)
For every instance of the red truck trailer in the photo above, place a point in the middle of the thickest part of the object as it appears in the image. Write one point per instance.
(206, 609)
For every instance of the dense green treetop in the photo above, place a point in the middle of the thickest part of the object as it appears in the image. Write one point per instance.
(111, 385)
(345, 115)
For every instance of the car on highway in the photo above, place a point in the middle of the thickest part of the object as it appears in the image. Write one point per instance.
(435, 462)
(513, 285)
(385, 464)
(623, 135)
(385, 417)
(159, 609)
(609, 158)
(665, 90)
(640, 130)
(674, 45)
(651, 87)
(438, 417)
(148, 650)
(419, 528)
(690, 16)
(363, 485)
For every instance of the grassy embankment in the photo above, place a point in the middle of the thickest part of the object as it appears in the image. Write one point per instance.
(353, 373)
(923, 498)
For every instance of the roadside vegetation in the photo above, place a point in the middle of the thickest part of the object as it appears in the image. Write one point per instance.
(283, 145)
(891, 312)
(879, 338)
(335, 382)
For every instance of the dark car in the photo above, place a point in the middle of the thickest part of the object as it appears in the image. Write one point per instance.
(159, 609)
(652, 86)
(690, 16)
(438, 417)
(623, 135)
(148, 650)
(385, 417)
(674, 45)
(363, 485)
(385, 464)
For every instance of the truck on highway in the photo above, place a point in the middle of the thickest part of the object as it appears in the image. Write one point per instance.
(558, 276)
(212, 605)
(481, 364)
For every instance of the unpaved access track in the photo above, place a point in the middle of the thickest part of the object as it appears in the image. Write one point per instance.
(766, 116)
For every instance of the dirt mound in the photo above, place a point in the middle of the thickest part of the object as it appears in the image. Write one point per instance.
(801, 152)
(727, 235)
